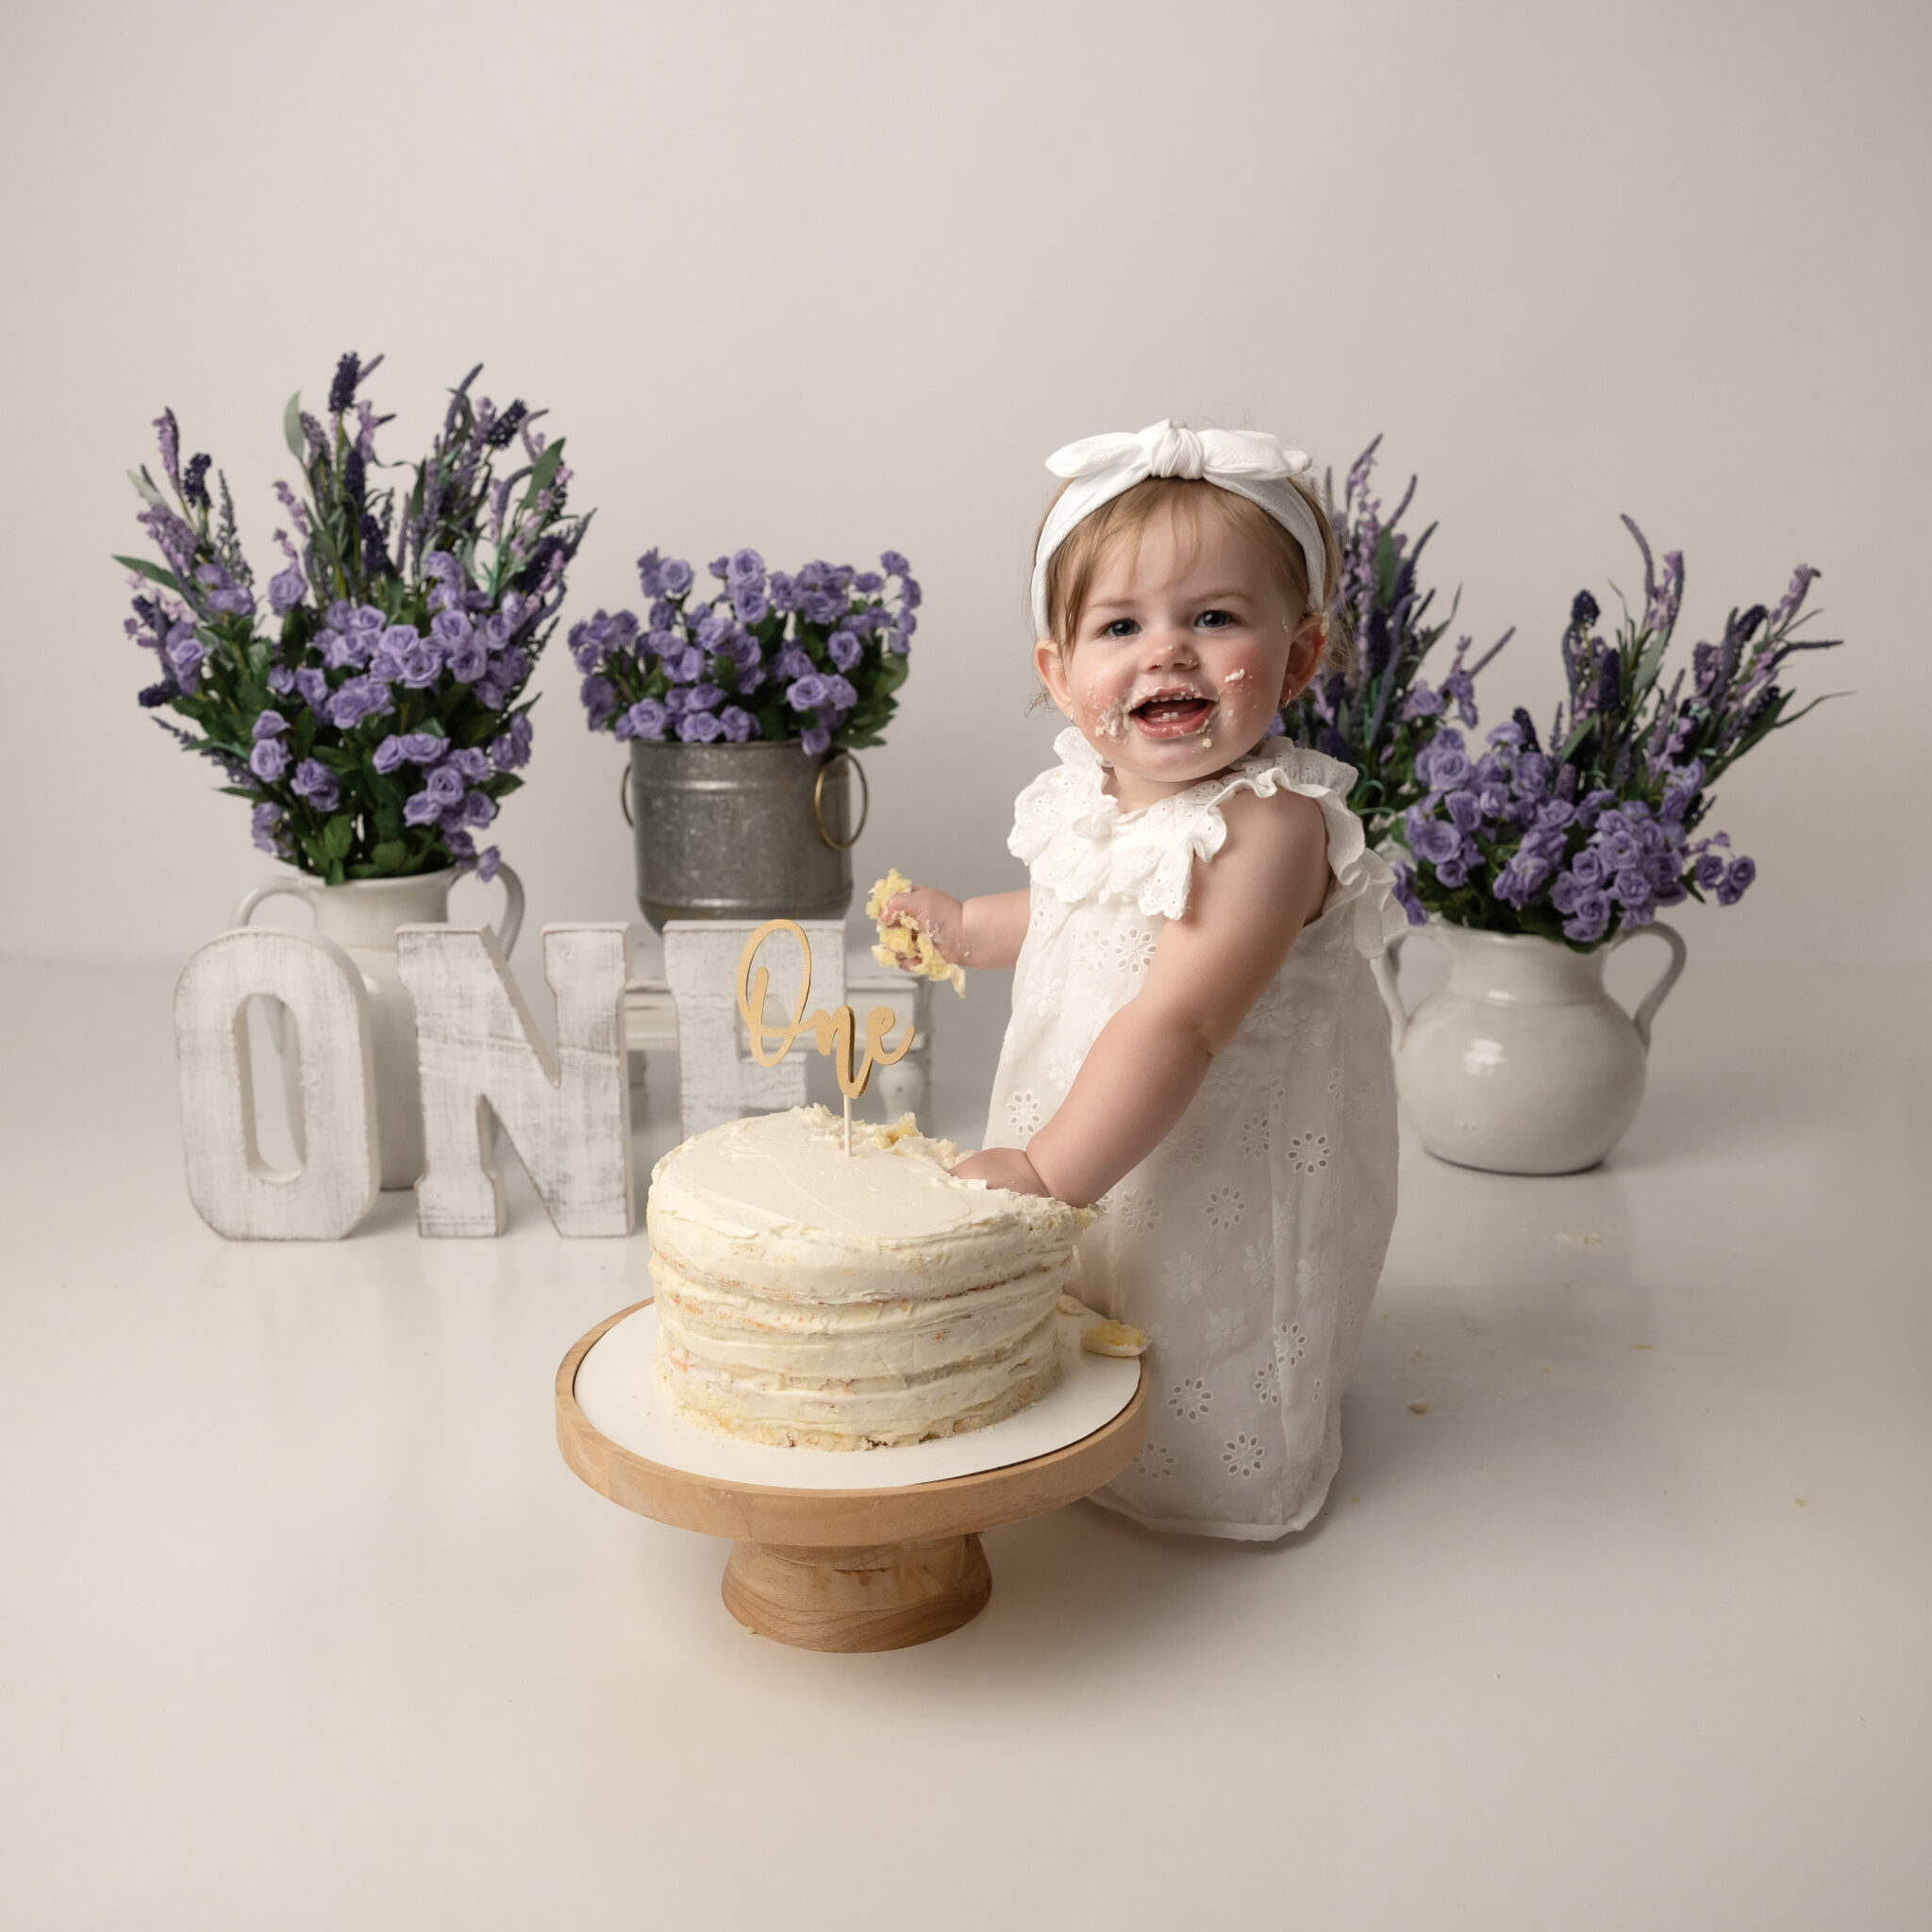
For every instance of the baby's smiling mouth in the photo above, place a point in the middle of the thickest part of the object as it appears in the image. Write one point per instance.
(1172, 712)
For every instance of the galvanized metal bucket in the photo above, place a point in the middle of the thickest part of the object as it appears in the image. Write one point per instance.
(743, 831)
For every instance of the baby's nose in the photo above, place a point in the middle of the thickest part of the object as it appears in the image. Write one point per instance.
(1170, 643)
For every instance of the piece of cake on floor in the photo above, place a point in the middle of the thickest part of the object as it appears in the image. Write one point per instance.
(815, 1300)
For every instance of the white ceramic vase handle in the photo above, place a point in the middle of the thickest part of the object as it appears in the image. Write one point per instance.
(1655, 998)
(1384, 966)
(512, 921)
(306, 891)
(269, 889)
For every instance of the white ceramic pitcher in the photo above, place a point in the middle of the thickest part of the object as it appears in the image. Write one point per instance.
(361, 917)
(1522, 1063)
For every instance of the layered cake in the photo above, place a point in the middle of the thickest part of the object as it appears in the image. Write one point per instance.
(813, 1299)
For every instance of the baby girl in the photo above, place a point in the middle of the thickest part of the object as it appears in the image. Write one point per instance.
(1196, 1038)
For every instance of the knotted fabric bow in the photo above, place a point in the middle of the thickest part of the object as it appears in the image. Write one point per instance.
(1247, 462)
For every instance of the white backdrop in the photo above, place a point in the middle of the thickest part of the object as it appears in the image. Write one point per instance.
(825, 278)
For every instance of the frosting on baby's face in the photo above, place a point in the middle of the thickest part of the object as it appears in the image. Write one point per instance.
(1186, 647)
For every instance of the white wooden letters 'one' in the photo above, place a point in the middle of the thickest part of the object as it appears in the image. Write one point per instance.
(232, 1188)
(479, 1053)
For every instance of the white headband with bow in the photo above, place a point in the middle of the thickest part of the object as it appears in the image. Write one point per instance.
(1248, 462)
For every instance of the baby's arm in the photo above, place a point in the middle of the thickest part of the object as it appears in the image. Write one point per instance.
(1208, 968)
(983, 932)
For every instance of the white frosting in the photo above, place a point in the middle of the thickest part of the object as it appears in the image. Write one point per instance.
(868, 1413)
(773, 1205)
(809, 1297)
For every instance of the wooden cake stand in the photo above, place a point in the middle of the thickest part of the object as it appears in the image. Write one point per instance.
(845, 1569)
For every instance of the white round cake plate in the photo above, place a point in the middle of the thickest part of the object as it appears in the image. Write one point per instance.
(622, 1394)
(858, 1550)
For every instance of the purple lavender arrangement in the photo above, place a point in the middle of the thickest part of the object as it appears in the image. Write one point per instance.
(816, 655)
(374, 717)
(1377, 713)
(1599, 826)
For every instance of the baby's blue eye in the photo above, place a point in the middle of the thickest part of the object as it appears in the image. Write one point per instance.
(1215, 620)
(1121, 627)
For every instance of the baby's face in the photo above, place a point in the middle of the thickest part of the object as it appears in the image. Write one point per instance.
(1183, 654)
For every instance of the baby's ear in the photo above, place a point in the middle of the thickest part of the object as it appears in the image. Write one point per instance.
(1053, 674)
(1305, 654)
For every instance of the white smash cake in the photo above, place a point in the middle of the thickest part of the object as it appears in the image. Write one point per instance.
(813, 1300)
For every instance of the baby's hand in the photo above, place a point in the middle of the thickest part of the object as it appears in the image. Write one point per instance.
(910, 918)
(1001, 1167)
(938, 915)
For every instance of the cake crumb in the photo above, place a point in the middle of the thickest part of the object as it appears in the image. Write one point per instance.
(1418, 1408)
(1112, 1338)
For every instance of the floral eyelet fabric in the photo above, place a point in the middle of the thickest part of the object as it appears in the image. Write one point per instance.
(1248, 1243)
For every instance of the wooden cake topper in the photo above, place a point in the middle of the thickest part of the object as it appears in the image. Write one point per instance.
(834, 1030)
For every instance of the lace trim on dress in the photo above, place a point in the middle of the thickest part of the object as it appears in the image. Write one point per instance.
(1080, 844)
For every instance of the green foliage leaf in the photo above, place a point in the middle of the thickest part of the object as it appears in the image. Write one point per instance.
(145, 484)
(338, 836)
(153, 572)
(545, 472)
(1387, 560)
(1649, 665)
(389, 858)
(291, 429)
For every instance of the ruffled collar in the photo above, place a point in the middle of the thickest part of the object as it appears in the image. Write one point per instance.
(1080, 844)
(1090, 770)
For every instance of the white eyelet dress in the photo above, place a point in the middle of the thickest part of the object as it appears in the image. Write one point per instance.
(1249, 1242)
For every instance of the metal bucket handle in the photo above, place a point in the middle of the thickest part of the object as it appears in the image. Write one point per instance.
(818, 801)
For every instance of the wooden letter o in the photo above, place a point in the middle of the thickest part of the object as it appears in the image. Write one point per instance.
(231, 1187)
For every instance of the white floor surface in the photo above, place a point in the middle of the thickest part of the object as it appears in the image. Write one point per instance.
(1619, 1614)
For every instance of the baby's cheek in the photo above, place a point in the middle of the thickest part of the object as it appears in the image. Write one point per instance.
(1100, 707)
(1250, 687)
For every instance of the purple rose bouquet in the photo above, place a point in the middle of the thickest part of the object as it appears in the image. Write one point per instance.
(1377, 713)
(1600, 826)
(374, 717)
(815, 654)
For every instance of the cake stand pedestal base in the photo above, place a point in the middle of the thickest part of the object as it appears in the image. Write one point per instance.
(879, 1567)
(878, 1598)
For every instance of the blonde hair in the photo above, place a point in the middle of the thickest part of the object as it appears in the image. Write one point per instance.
(1123, 519)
